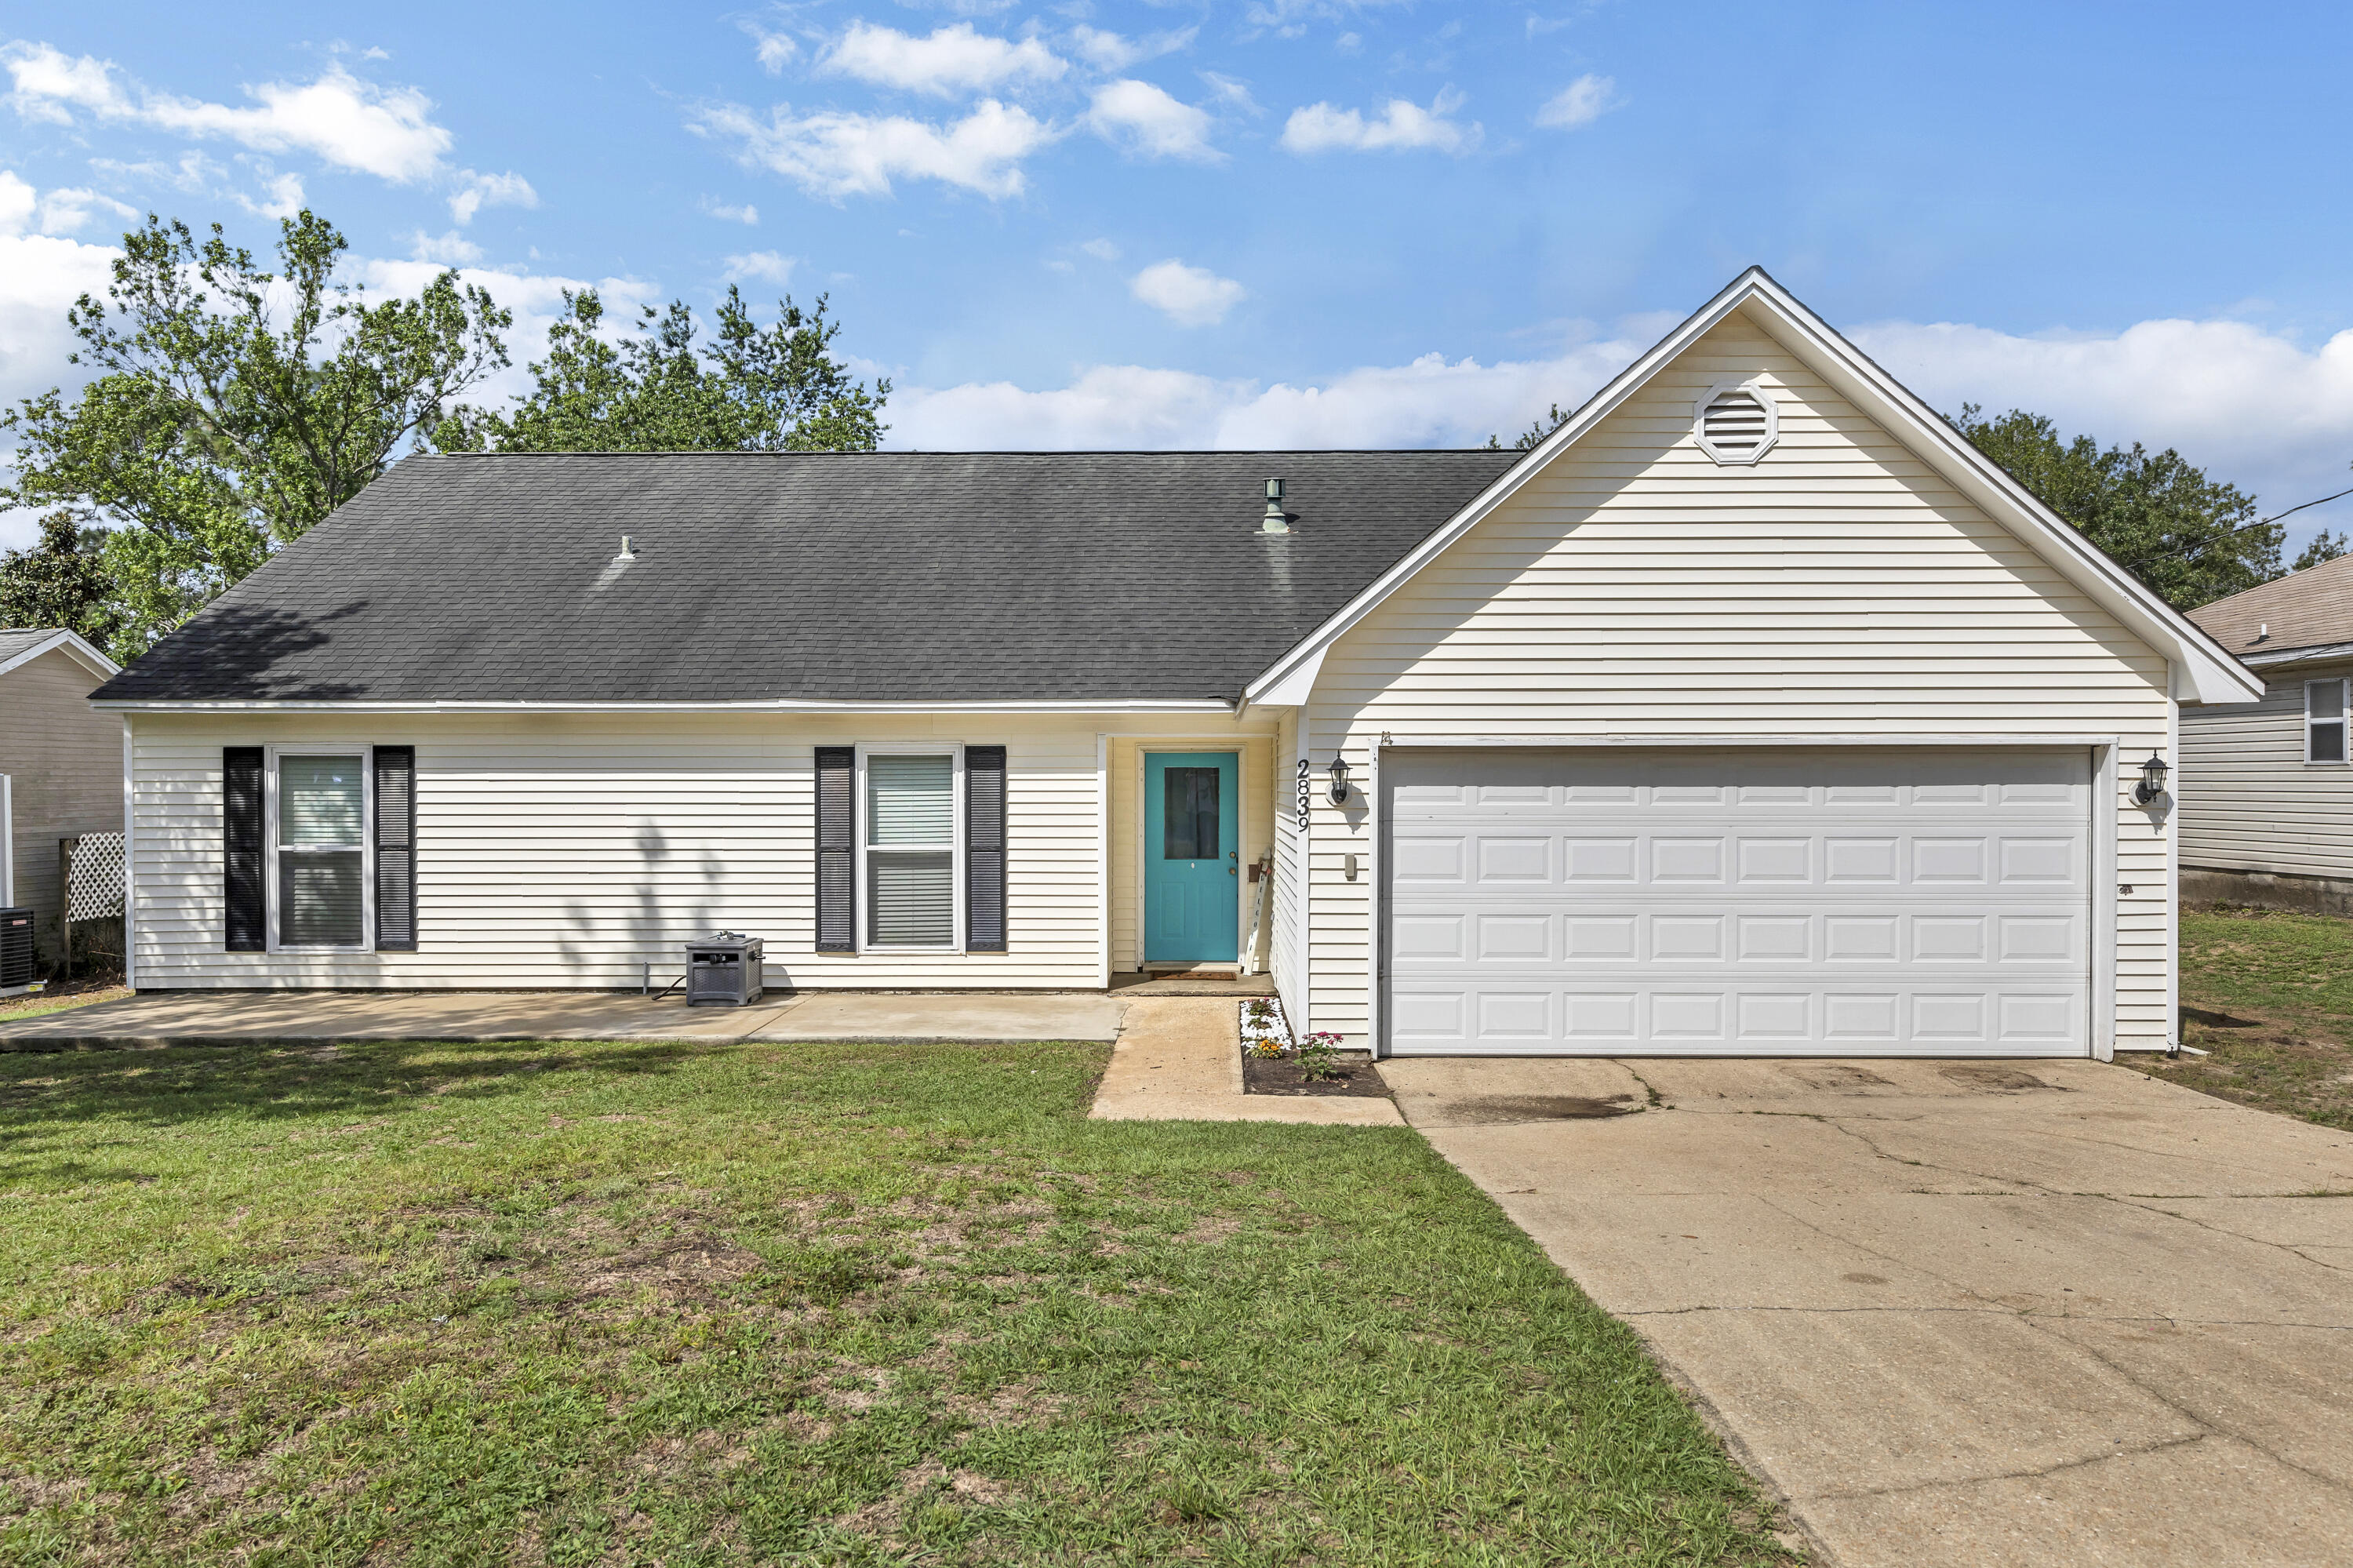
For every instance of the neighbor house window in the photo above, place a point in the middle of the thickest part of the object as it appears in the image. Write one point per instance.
(320, 849)
(2323, 720)
(910, 850)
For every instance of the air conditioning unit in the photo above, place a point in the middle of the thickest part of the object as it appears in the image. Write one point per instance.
(17, 970)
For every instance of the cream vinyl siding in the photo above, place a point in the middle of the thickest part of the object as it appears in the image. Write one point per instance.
(1286, 947)
(2249, 799)
(1123, 756)
(1837, 588)
(565, 850)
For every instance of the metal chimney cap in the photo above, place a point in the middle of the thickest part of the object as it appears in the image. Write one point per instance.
(1275, 520)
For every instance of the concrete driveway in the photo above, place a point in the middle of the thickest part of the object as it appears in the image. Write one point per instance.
(1957, 1312)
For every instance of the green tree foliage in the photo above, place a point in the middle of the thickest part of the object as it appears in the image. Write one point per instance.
(2324, 546)
(61, 581)
(2190, 539)
(233, 407)
(1536, 432)
(749, 388)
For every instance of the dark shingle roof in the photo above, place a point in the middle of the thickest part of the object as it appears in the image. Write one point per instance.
(886, 577)
(16, 639)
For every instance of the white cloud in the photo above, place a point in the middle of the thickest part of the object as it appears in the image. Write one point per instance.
(1233, 93)
(1320, 128)
(47, 85)
(1428, 403)
(953, 59)
(772, 50)
(53, 211)
(2248, 405)
(1101, 250)
(832, 154)
(765, 265)
(746, 214)
(41, 275)
(284, 198)
(1142, 119)
(1110, 52)
(476, 192)
(349, 123)
(17, 202)
(1581, 103)
(450, 250)
(1189, 296)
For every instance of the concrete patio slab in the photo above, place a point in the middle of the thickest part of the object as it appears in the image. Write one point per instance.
(945, 1017)
(321, 1017)
(1179, 1059)
(1961, 1313)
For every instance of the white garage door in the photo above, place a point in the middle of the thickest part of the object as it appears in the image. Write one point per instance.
(1742, 903)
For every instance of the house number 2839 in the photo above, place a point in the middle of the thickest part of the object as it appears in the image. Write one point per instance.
(1306, 791)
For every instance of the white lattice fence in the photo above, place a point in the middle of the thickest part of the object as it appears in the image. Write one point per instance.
(93, 876)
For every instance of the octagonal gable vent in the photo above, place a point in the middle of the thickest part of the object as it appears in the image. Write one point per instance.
(1736, 422)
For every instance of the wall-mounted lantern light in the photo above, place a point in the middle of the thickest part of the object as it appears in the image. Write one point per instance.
(2151, 787)
(1339, 779)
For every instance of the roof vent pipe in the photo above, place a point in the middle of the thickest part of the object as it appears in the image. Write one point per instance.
(1275, 520)
(628, 554)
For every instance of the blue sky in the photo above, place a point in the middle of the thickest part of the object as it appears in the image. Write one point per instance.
(1280, 222)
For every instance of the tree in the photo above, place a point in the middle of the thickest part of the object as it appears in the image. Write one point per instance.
(751, 388)
(1534, 433)
(2324, 546)
(61, 581)
(2190, 539)
(234, 408)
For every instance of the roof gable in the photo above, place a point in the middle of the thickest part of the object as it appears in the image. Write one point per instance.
(21, 646)
(2205, 671)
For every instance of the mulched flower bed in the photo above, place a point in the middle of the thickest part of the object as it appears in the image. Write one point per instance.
(1280, 1075)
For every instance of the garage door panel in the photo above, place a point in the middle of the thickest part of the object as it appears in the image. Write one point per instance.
(1798, 902)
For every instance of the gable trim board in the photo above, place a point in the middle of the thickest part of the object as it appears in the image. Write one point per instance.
(2215, 676)
(71, 645)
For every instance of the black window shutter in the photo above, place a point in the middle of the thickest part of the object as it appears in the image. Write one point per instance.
(396, 849)
(984, 849)
(245, 894)
(837, 850)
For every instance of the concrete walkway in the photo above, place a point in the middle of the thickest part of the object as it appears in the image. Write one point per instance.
(218, 1018)
(1957, 1313)
(1179, 1059)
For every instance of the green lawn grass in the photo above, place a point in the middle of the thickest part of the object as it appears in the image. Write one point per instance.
(2270, 996)
(687, 1304)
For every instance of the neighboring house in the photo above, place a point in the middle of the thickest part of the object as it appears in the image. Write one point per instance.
(2266, 789)
(64, 764)
(1752, 711)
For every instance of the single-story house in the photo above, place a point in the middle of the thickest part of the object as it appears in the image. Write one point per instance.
(1751, 711)
(2266, 789)
(61, 767)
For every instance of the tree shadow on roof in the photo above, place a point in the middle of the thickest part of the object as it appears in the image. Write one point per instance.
(233, 653)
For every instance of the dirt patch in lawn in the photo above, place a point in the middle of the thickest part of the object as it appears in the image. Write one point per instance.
(1281, 1075)
(2272, 1064)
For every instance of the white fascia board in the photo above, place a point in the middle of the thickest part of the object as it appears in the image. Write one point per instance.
(2317, 652)
(2213, 676)
(1172, 706)
(71, 645)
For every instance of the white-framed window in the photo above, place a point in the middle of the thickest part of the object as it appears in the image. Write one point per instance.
(320, 889)
(2323, 720)
(910, 848)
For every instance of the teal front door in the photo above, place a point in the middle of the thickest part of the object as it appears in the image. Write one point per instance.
(1192, 857)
